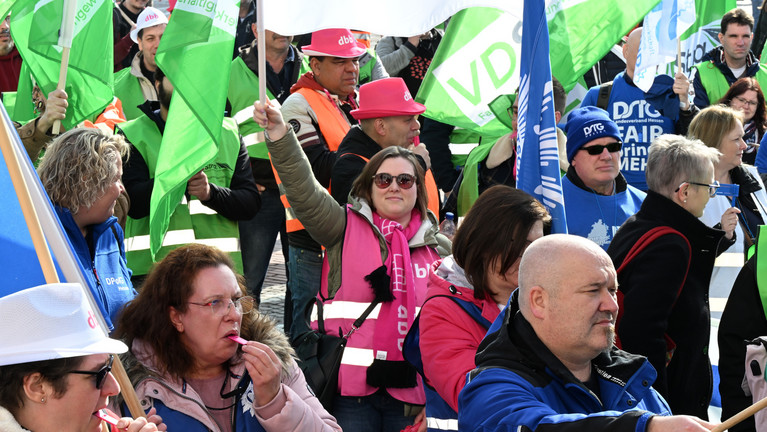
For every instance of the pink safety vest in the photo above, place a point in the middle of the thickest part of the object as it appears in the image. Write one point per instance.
(361, 255)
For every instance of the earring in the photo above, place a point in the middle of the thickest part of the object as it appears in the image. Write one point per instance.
(42, 400)
(685, 200)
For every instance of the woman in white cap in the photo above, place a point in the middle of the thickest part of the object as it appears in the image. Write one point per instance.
(81, 171)
(378, 251)
(55, 364)
(185, 363)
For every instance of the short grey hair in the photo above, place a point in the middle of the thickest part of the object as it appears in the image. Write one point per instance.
(78, 167)
(674, 159)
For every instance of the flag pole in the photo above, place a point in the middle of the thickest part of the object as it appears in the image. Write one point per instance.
(44, 254)
(261, 42)
(679, 54)
(739, 417)
(65, 41)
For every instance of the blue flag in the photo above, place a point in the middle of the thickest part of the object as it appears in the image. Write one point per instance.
(20, 266)
(537, 154)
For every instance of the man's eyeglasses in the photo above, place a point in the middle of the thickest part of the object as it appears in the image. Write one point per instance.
(222, 307)
(384, 180)
(712, 188)
(100, 374)
(745, 101)
(597, 149)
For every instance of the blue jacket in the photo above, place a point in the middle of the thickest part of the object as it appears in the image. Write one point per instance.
(105, 268)
(638, 122)
(598, 217)
(519, 383)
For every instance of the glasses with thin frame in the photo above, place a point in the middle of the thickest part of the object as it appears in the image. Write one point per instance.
(100, 374)
(712, 188)
(745, 101)
(221, 307)
(384, 180)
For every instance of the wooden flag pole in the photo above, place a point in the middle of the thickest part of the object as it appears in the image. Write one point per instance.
(739, 417)
(65, 41)
(45, 258)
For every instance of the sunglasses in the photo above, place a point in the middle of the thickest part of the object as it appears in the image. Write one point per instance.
(384, 180)
(100, 374)
(599, 148)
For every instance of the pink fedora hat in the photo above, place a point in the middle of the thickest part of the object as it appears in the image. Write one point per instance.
(385, 98)
(334, 43)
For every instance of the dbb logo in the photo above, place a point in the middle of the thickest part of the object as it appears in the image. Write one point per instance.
(343, 40)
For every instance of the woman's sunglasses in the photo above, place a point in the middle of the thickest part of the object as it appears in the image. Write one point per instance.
(100, 374)
(383, 180)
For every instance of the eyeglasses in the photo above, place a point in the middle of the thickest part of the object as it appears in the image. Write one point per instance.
(745, 101)
(221, 307)
(100, 374)
(384, 180)
(597, 149)
(712, 188)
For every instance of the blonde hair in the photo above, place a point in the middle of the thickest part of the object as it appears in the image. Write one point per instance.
(713, 123)
(78, 167)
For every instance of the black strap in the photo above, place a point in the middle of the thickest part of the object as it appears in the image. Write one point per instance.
(604, 95)
(356, 325)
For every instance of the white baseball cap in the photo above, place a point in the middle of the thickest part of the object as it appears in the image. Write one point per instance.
(49, 322)
(149, 17)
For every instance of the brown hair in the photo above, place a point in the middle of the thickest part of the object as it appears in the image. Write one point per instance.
(741, 86)
(169, 284)
(54, 372)
(736, 16)
(480, 241)
(363, 185)
(713, 123)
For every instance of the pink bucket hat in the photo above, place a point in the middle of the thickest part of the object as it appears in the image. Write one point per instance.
(334, 43)
(385, 98)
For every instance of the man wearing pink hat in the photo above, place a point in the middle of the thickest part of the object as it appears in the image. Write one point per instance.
(134, 85)
(388, 116)
(318, 110)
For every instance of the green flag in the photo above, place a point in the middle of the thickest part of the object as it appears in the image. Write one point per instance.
(478, 59)
(5, 6)
(35, 26)
(196, 55)
(701, 37)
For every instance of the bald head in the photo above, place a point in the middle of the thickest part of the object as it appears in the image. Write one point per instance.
(567, 292)
(631, 49)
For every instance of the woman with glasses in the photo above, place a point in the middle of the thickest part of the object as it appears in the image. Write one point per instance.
(184, 362)
(745, 95)
(55, 368)
(664, 255)
(379, 247)
(744, 209)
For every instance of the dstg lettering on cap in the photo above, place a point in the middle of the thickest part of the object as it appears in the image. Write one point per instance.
(343, 40)
(592, 129)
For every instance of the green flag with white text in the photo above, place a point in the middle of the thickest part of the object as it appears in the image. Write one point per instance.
(478, 59)
(35, 27)
(196, 55)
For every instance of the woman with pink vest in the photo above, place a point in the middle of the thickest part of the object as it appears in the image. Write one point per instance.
(379, 247)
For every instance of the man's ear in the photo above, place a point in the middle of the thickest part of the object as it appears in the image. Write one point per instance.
(721, 38)
(539, 301)
(380, 126)
(254, 29)
(557, 117)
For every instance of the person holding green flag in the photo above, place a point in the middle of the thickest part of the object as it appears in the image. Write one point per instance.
(216, 198)
(135, 84)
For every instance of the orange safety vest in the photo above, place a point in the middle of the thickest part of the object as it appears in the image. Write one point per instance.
(432, 192)
(333, 127)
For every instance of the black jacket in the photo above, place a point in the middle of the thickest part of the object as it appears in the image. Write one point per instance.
(240, 201)
(651, 309)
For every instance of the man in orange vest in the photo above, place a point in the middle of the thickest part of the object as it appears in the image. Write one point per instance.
(388, 116)
(318, 110)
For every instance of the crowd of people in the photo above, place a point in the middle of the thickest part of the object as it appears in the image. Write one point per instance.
(503, 326)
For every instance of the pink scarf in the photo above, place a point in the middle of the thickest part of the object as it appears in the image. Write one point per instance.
(396, 316)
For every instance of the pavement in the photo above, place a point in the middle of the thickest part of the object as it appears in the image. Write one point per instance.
(273, 291)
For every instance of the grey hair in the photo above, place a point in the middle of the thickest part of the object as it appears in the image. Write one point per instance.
(79, 165)
(674, 159)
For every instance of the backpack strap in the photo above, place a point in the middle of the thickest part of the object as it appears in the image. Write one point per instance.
(641, 244)
(604, 95)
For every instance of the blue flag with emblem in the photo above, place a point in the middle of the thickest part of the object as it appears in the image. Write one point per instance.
(537, 155)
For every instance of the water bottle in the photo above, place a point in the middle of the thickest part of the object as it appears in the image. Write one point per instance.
(447, 227)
